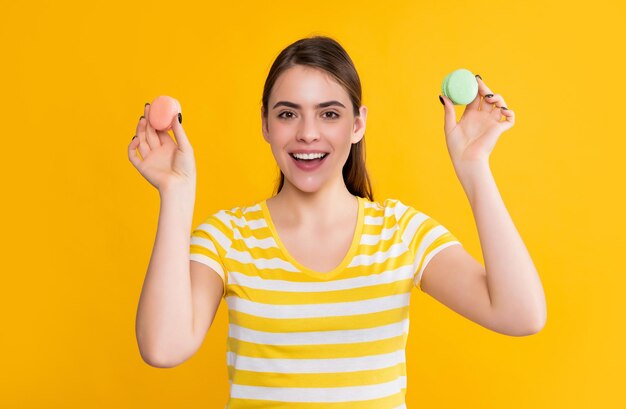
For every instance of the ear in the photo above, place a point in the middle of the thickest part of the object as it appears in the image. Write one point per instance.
(359, 125)
(264, 126)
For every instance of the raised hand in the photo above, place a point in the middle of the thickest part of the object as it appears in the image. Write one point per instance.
(471, 140)
(163, 163)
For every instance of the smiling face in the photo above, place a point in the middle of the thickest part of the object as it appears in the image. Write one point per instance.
(308, 111)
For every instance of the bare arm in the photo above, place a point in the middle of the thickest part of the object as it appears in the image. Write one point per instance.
(515, 289)
(179, 297)
(164, 325)
(508, 294)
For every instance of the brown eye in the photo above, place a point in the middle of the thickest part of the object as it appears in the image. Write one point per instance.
(333, 116)
(285, 112)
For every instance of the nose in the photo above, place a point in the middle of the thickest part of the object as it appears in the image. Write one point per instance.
(308, 132)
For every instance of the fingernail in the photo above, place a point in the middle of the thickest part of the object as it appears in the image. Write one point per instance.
(478, 76)
(441, 99)
(147, 103)
(180, 118)
(488, 95)
(504, 108)
(141, 117)
(134, 137)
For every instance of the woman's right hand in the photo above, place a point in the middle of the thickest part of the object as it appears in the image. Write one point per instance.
(163, 163)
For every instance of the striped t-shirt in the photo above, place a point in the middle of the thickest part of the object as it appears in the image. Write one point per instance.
(299, 338)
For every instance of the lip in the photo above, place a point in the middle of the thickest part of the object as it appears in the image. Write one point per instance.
(306, 166)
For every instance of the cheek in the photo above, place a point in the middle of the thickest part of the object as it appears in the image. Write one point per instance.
(342, 139)
(346, 132)
(279, 131)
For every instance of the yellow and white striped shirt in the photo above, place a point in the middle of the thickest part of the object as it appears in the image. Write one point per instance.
(299, 338)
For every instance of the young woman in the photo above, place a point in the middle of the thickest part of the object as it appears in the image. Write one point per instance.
(317, 278)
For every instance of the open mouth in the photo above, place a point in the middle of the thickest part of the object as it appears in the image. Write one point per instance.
(304, 163)
(304, 159)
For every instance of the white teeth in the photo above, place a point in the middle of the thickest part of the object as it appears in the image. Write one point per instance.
(308, 155)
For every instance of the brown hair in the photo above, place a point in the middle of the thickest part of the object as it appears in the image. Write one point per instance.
(328, 55)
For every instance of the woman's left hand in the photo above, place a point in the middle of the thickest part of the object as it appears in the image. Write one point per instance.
(471, 140)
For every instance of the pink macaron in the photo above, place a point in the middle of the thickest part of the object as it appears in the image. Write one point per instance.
(162, 111)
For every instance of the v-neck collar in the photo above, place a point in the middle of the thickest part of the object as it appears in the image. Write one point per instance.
(356, 239)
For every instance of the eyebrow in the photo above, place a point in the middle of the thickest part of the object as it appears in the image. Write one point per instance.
(320, 105)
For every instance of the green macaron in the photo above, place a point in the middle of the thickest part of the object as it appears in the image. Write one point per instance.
(460, 86)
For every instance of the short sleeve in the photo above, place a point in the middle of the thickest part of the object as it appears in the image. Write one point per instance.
(425, 237)
(210, 242)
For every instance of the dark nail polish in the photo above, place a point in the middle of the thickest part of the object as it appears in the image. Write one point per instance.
(180, 118)
(505, 108)
(478, 76)
(147, 103)
(441, 99)
(488, 95)
(134, 137)
(141, 117)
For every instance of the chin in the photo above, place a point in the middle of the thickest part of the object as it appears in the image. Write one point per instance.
(304, 183)
(308, 187)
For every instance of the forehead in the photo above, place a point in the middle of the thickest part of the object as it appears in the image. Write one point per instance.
(307, 85)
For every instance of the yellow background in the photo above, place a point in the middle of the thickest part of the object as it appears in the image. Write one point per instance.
(79, 222)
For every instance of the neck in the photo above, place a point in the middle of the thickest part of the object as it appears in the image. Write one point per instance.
(327, 206)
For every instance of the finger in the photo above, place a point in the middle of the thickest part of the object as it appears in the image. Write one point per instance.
(143, 147)
(180, 135)
(449, 115)
(499, 106)
(132, 152)
(483, 90)
(494, 110)
(140, 129)
(509, 119)
(151, 136)
(475, 104)
(166, 139)
(497, 100)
